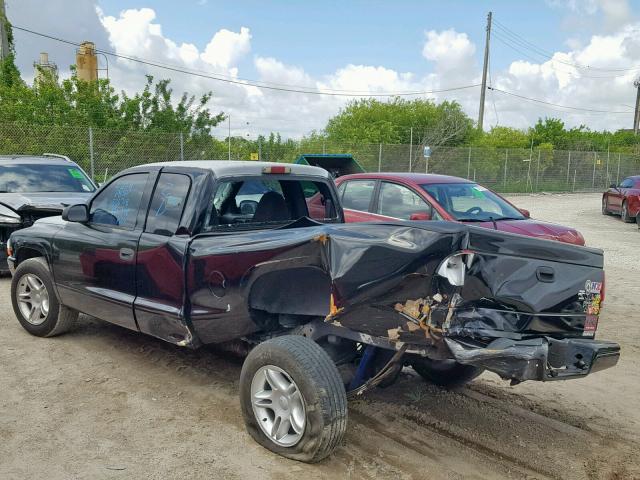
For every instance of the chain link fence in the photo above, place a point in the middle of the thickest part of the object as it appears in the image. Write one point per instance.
(104, 152)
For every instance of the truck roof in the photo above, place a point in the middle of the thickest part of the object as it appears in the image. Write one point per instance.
(44, 159)
(228, 168)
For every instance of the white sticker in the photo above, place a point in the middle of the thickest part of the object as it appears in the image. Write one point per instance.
(480, 188)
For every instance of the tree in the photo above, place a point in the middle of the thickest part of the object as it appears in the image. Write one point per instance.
(373, 121)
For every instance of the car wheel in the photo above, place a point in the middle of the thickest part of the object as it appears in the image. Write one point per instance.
(292, 398)
(446, 373)
(625, 213)
(605, 206)
(35, 303)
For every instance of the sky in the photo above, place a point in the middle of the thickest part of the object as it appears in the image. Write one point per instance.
(583, 54)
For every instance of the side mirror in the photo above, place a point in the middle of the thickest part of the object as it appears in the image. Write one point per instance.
(420, 216)
(525, 212)
(613, 185)
(76, 213)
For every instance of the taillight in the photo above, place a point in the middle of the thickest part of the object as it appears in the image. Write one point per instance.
(276, 170)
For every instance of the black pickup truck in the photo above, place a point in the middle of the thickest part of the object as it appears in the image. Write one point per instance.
(257, 255)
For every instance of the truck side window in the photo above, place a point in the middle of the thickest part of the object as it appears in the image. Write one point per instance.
(357, 194)
(118, 204)
(167, 204)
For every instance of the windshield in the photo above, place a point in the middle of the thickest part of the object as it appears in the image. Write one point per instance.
(470, 202)
(31, 178)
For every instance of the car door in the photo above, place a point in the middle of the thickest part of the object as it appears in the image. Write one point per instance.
(357, 199)
(94, 262)
(398, 201)
(161, 254)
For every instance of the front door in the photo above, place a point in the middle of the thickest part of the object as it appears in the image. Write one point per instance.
(94, 262)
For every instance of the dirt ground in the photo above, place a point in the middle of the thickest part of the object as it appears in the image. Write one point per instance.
(104, 402)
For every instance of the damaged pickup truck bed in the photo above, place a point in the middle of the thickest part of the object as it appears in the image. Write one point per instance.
(256, 256)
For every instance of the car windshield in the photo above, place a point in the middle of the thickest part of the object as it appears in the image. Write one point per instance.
(31, 178)
(470, 202)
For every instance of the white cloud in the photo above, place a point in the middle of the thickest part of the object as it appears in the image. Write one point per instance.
(454, 60)
(227, 47)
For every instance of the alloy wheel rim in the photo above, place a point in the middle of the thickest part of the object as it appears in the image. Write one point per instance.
(624, 211)
(278, 405)
(33, 299)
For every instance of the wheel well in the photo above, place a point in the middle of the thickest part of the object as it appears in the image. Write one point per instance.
(26, 253)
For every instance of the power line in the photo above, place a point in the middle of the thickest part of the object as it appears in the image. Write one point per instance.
(251, 83)
(505, 41)
(555, 104)
(532, 46)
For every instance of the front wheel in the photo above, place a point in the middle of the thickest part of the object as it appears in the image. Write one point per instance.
(446, 373)
(292, 398)
(35, 303)
(625, 213)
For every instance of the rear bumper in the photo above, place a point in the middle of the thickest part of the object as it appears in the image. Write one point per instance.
(541, 359)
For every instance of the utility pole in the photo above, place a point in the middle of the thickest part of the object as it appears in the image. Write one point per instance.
(484, 73)
(4, 35)
(636, 116)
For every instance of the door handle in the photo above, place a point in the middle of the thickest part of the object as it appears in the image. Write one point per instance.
(545, 274)
(126, 254)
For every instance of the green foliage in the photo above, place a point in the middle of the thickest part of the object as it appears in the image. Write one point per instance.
(373, 121)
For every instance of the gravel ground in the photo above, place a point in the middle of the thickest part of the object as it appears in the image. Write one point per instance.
(104, 402)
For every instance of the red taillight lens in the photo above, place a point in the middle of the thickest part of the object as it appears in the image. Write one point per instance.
(276, 170)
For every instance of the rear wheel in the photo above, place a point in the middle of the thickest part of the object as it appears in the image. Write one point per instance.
(35, 303)
(446, 373)
(292, 398)
(625, 213)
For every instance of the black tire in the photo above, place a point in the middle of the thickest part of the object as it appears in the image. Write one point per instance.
(58, 319)
(605, 206)
(446, 373)
(320, 385)
(626, 218)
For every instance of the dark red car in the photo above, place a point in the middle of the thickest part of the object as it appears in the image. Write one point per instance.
(623, 199)
(417, 196)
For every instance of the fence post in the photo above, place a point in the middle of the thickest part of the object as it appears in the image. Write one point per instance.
(574, 180)
(469, 164)
(181, 147)
(410, 149)
(568, 167)
(506, 159)
(324, 147)
(607, 182)
(538, 170)
(91, 164)
(380, 158)
(618, 175)
(593, 177)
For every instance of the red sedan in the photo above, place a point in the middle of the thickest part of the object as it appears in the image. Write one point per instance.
(414, 196)
(623, 199)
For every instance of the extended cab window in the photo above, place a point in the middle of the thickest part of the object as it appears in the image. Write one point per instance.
(357, 194)
(118, 203)
(167, 204)
(256, 201)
